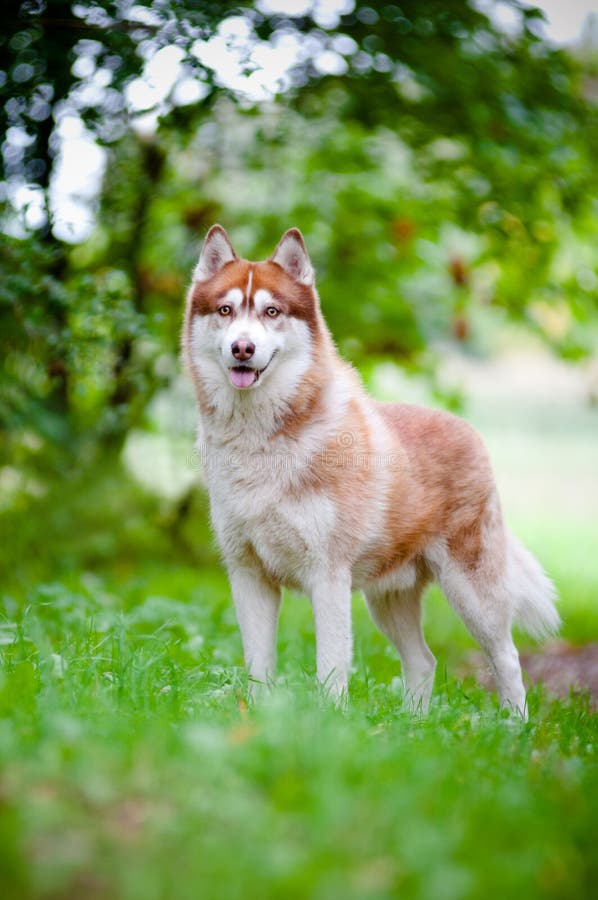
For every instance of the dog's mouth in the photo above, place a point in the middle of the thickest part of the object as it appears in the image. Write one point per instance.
(245, 376)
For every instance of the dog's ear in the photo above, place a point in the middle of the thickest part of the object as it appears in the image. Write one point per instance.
(292, 256)
(216, 252)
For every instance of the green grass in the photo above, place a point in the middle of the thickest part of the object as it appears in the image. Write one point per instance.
(132, 768)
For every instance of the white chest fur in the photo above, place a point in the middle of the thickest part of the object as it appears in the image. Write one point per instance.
(257, 506)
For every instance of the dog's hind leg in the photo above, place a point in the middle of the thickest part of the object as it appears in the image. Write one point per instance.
(398, 615)
(481, 598)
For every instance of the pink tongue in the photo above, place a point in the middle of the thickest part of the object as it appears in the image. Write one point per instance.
(242, 378)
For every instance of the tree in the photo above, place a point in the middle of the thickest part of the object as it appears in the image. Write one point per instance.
(433, 160)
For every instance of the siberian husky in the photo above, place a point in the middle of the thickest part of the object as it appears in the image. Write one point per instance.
(316, 486)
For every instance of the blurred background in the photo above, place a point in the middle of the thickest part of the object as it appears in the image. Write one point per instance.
(440, 159)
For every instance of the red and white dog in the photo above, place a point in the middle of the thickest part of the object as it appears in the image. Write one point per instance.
(316, 486)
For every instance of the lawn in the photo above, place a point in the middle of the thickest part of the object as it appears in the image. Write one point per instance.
(132, 767)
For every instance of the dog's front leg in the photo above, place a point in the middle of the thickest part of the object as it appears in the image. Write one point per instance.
(331, 602)
(257, 603)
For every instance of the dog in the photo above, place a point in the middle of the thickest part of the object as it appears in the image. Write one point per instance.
(316, 486)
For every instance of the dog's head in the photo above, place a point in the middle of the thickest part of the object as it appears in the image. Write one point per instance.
(244, 319)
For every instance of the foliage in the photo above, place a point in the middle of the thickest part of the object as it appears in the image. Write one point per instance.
(444, 165)
(53, 51)
(62, 384)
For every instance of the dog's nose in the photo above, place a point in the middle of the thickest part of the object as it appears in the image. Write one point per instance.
(243, 349)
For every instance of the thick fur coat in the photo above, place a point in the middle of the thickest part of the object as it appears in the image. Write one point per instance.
(315, 485)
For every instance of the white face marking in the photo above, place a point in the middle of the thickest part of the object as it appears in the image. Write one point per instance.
(262, 299)
(283, 350)
(234, 298)
(212, 358)
(248, 324)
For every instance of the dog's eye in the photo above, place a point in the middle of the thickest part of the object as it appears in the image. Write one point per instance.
(272, 311)
(224, 310)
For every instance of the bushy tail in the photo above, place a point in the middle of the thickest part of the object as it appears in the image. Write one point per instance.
(533, 593)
